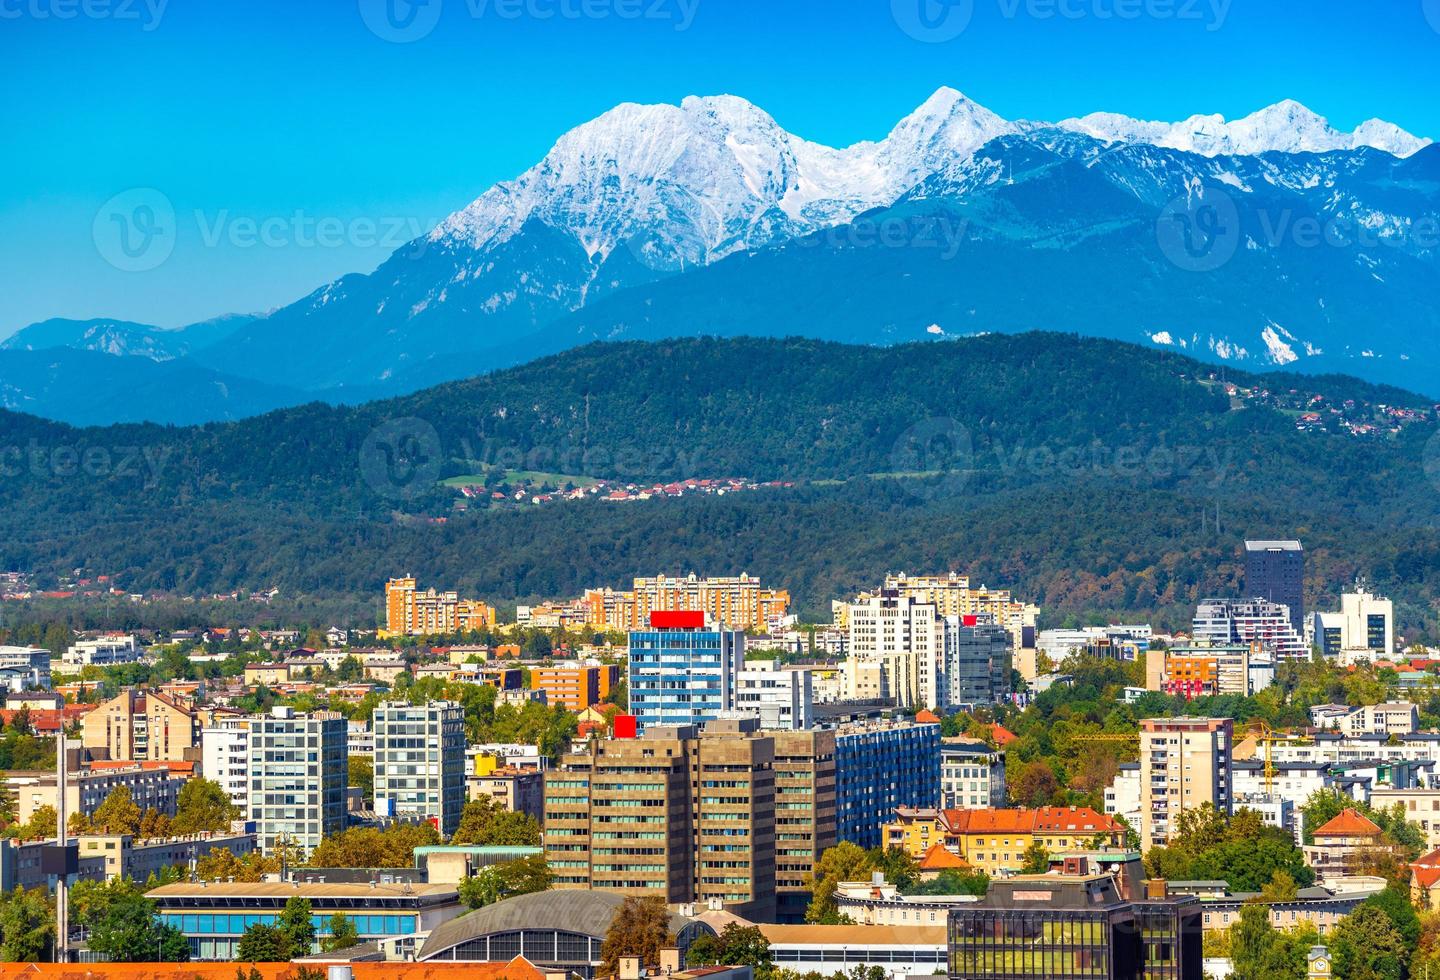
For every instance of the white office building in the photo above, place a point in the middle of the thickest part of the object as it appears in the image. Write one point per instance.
(783, 700)
(1363, 629)
(420, 762)
(905, 637)
(104, 651)
(972, 775)
(24, 669)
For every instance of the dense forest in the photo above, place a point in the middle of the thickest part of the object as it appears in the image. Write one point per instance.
(1096, 478)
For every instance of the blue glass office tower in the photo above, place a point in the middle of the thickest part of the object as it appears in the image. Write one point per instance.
(881, 766)
(682, 670)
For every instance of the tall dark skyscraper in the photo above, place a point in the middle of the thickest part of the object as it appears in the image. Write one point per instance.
(1275, 570)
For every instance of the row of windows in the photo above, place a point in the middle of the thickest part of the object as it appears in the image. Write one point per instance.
(226, 924)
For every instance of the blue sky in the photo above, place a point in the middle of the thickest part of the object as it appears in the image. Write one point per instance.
(338, 144)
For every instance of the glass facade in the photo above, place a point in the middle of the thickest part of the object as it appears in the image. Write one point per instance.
(879, 769)
(215, 935)
(683, 676)
(1061, 944)
(1147, 940)
(299, 769)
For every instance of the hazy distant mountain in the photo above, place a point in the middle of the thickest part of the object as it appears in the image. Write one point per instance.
(122, 338)
(85, 387)
(1271, 240)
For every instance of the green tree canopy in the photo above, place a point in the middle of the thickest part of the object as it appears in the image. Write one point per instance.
(203, 805)
(641, 927)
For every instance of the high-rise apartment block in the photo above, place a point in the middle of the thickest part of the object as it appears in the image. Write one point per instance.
(683, 669)
(411, 612)
(225, 757)
(880, 766)
(298, 774)
(1184, 763)
(420, 762)
(1275, 570)
(693, 815)
(905, 637)
(1231, 622)
(739, 602)
(952, 595)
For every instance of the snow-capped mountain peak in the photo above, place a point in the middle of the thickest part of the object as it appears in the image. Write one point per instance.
(1286, 127)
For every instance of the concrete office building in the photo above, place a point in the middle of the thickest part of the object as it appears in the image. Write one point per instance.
(692, 816)
(420, 762)
(298, 774)
(683, 670)
(1184, 763)
(805, 815)
(1275, 570)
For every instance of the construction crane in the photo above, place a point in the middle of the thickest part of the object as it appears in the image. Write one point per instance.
(1266, 736)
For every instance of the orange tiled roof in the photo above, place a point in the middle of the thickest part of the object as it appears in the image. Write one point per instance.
(940, 859)
(1047, 819)
(1002, 735)
(1431, 860)
(927, 717)
(1425, 877)
(1348, 823)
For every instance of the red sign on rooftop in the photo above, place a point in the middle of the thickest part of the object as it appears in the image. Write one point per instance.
(677, 619)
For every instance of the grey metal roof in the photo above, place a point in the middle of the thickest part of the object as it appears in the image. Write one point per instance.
(567, 910)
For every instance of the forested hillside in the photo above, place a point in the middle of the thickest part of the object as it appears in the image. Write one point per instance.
(1084, 474)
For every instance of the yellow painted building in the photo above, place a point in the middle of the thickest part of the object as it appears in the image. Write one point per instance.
(994, 840)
